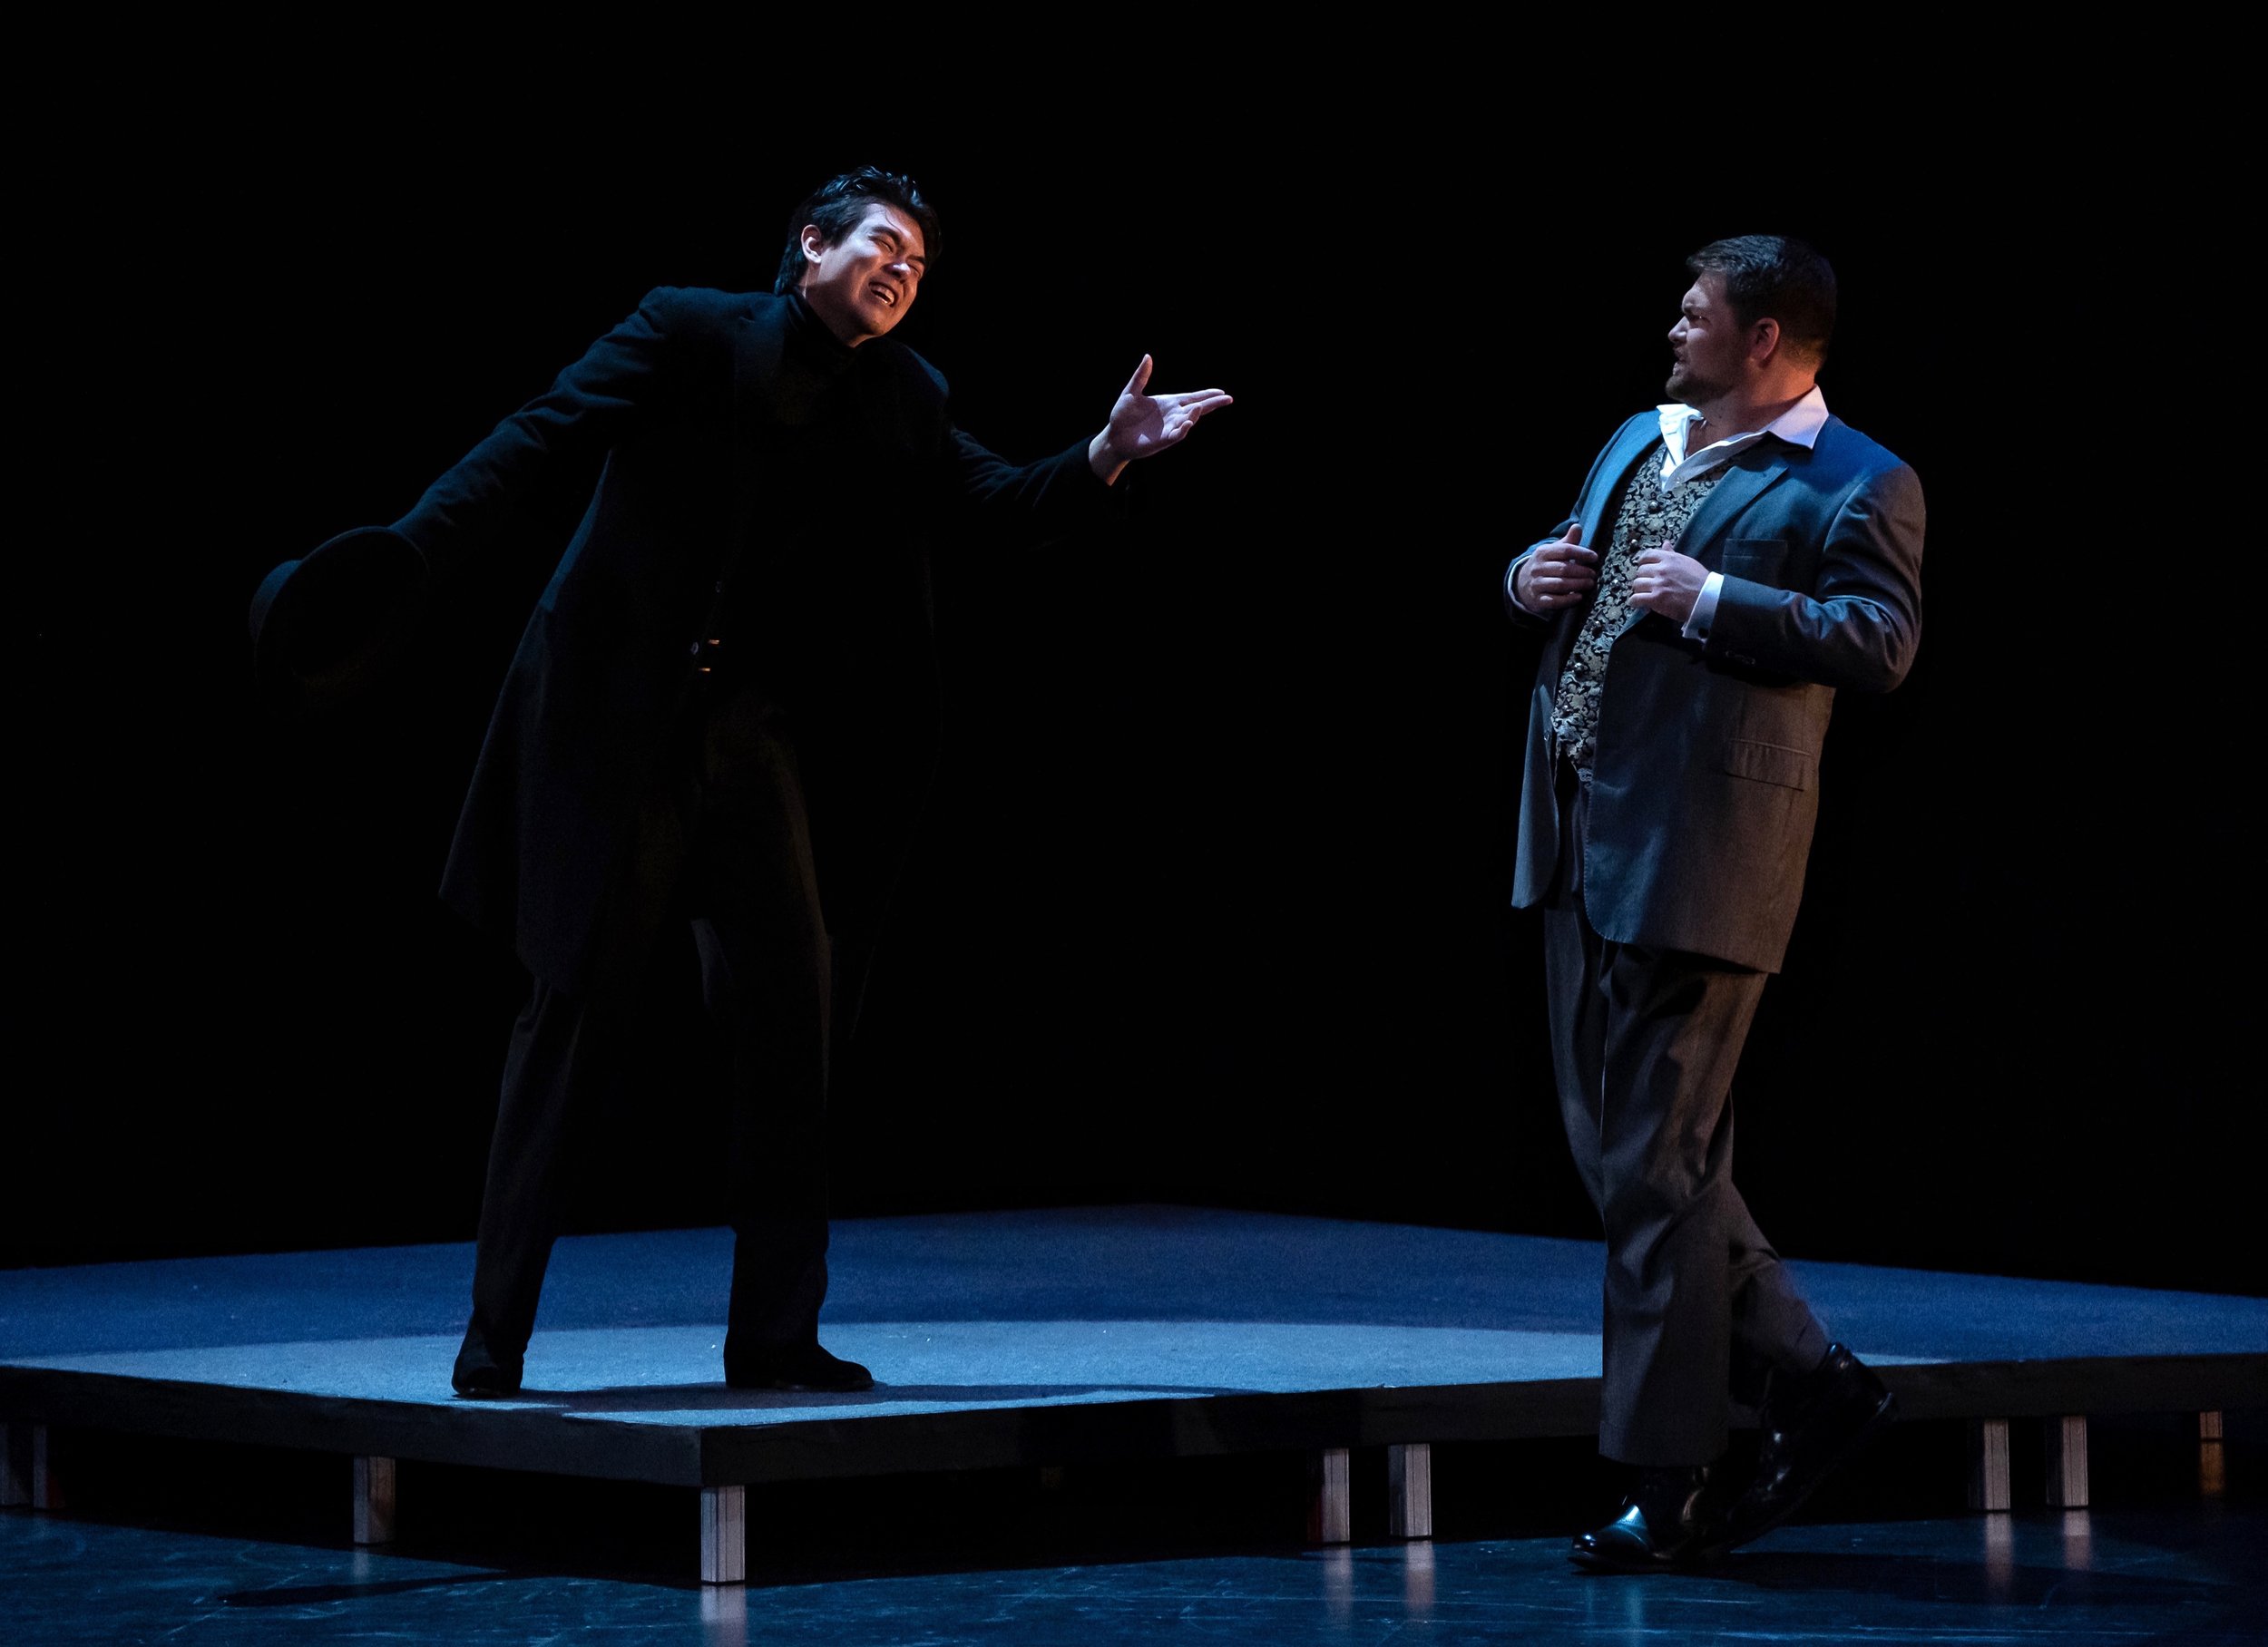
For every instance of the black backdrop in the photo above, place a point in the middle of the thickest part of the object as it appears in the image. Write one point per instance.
(1210, 905)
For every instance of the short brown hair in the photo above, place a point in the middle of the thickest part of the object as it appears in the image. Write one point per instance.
(1774, 278)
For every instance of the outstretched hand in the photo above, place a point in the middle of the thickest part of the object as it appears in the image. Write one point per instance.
(1143, 425)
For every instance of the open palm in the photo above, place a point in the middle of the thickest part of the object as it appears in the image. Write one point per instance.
(1142, 423)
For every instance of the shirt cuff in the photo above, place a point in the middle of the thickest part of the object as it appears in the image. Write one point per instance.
(1703, 608)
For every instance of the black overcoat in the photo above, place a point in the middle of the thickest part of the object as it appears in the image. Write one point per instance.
(673, 426)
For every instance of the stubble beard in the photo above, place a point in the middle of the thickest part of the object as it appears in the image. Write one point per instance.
(1685, 387)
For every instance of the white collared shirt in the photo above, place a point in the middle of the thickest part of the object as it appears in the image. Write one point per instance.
(1799, 426)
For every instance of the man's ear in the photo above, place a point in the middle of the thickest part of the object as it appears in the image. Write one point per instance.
(1763, 341)
(813, 241)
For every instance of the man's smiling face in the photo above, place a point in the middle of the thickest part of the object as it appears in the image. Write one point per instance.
(861, 285)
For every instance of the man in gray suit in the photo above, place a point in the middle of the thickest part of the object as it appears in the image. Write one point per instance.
(1733, 558)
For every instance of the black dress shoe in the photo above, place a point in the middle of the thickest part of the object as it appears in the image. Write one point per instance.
(1666, 1523)
(807, 1368)
(1814, 1424)
(480, 1372)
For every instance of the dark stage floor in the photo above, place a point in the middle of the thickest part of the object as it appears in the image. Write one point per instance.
(1091, 1424)
(2173, 1574)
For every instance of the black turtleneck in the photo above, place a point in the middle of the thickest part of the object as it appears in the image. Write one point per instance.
(790, 608)
(811, 360)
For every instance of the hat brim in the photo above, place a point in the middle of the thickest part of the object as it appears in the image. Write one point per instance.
(327, 627)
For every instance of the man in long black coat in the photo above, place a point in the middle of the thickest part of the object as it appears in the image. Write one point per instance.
(716, 710)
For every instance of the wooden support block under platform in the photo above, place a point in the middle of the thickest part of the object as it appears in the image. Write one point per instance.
(2212, 1469)
(46, 1484)
(1988, 1487)
(15, 1465)
(1331, 1497)
(374, 1501)
(723, 1536)
(1410, 1490)
(2066, 1449)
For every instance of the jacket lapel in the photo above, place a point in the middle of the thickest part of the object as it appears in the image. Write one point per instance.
(757, 338)
(1595, 510)
(1597, 516)
(1751, 475)
(1748, 477)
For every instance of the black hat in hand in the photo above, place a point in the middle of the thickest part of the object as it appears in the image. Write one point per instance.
(330, 628)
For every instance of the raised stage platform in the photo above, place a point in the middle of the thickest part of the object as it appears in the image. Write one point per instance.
(1027, 1338)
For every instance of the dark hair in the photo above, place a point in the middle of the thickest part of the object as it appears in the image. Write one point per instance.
(1774, 278)
(838, 205)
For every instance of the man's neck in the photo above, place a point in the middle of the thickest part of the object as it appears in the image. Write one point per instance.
(1725, 417)
(826, 324)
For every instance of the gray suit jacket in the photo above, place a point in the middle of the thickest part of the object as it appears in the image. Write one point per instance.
(1705, 782)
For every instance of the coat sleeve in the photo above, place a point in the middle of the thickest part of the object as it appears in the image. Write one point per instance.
(541, 464)
(1860, 622)
(1024, 503)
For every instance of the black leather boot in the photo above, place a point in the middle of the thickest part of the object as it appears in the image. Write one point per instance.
(1813, 1423)
(805, 1366)
(1665, 1524)
(481, 1372)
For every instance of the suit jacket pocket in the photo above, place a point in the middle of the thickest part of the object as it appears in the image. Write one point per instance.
(1758, 559)
(1768, 763)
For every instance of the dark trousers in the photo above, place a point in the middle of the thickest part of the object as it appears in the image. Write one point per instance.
(1698, 1306)
(752, 888)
